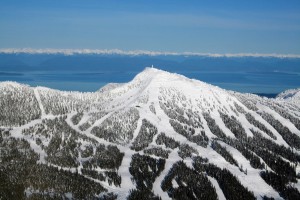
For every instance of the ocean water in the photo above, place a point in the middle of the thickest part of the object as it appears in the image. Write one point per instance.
(88, 81)
(88, 73)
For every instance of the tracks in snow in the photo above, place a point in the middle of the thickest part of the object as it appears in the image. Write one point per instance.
(38, 98)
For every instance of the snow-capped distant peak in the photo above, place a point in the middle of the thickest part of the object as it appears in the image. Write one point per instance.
(292, 95)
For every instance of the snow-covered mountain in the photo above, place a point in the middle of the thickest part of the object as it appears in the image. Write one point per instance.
(292, 95)
(161, 135)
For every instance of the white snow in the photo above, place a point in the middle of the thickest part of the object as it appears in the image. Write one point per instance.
(145, 90)
(218, 189)
(38, 98)
(292, 95)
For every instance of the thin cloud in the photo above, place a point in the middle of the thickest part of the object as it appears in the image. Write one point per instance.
(137, 53)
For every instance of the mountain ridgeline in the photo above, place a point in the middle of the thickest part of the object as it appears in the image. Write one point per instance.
(159, 136)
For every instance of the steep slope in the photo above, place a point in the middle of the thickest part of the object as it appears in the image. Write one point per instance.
(292, 95)
(109, 87)
(160, 135)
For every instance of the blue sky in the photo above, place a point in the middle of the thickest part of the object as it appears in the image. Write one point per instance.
(224, 26)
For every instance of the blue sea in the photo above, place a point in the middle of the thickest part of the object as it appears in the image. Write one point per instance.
(88, 73)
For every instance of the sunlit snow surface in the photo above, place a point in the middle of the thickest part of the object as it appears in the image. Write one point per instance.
(126, 105)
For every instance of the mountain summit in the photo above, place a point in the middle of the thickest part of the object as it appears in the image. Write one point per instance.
(160, 136)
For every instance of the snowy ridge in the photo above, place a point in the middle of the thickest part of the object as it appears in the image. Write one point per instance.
(109, 87)
(145, 138)
(292, 95)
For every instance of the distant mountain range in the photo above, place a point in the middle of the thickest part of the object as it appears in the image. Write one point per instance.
(159, 136)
